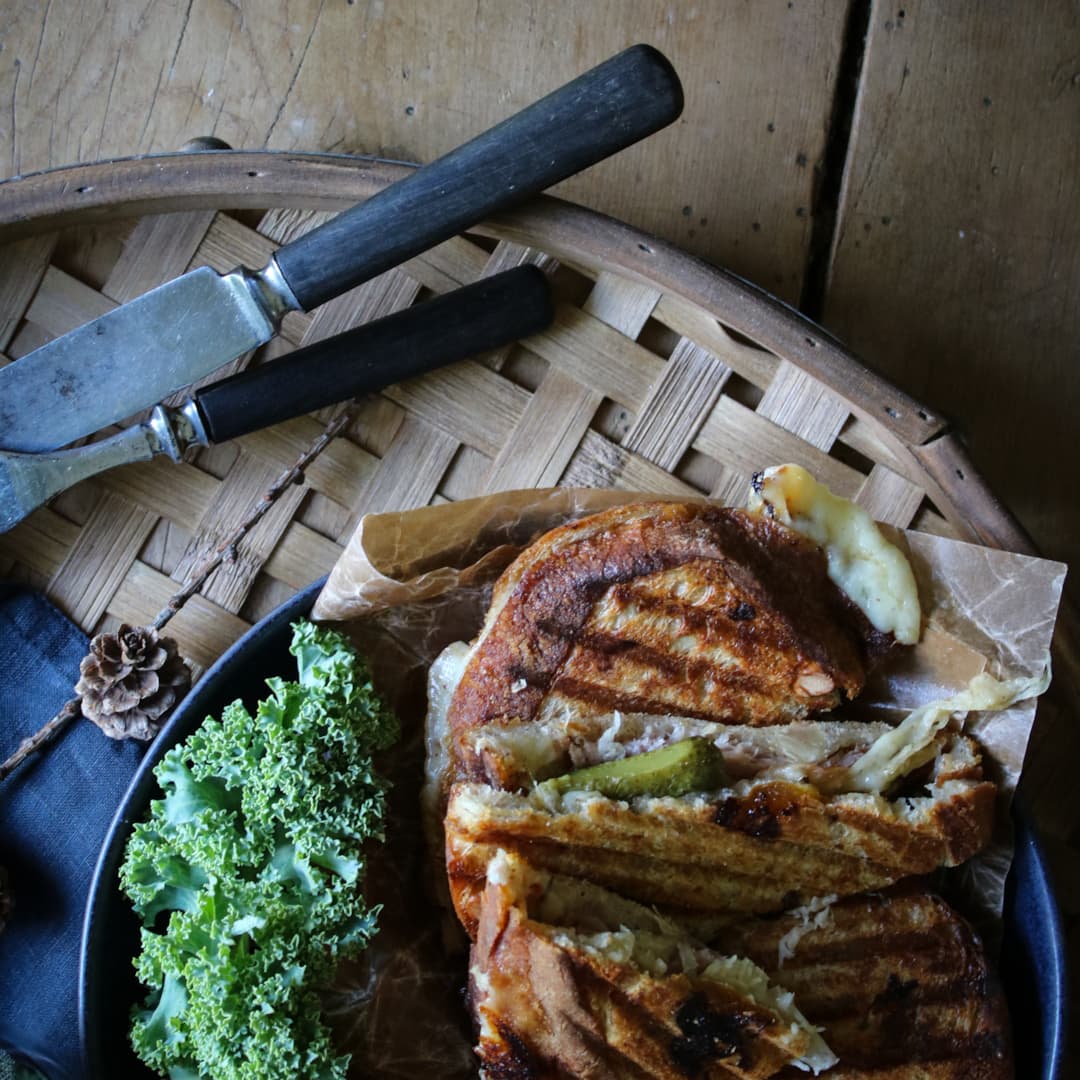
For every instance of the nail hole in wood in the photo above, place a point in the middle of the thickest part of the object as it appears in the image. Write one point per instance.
(892, 412)
(646, 248)
(960, 474)
(811, 342)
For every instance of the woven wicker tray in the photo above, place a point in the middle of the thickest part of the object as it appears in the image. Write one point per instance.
(660, 374)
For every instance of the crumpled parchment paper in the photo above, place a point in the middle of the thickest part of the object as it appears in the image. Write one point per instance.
(411, 582)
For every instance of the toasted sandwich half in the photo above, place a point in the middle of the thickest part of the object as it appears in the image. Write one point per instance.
(651, 625)
(752, 848)
(682, 609)
(568, 980)
(898, 984)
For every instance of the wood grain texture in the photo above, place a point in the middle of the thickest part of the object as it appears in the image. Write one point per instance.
(436, 438)
(957, 256)
(411, 80)
(953, 272)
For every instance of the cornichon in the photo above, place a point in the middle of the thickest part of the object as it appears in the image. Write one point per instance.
(690, 765)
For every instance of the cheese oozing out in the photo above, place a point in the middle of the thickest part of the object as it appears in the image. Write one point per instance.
(871, 571)
(907, 746)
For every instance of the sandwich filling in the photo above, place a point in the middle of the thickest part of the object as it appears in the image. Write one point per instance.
(870, 570)
(615, 933)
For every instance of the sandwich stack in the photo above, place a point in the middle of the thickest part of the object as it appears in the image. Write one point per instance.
(673, 853)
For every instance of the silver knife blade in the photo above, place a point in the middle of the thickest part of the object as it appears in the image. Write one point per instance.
(137, 354)
(143, 351)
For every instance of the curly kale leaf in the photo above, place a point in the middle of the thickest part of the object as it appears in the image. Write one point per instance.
(247, 874)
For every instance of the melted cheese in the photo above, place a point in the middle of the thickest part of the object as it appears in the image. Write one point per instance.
(912, 742)
(873, 572)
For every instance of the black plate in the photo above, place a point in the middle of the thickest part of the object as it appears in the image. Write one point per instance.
(1033, 965)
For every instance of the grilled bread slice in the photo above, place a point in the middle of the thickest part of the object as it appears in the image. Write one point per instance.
(757, 847)
(646, 625)
(899, 985)
(567, 980)
(683, 609)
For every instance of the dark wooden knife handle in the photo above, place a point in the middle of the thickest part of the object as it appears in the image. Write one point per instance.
(492, 312)
(597, 114)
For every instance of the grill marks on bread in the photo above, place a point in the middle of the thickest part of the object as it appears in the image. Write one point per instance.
(703, 611)
(776, 846)
(555, 995)
(896, 982)
(651, 623)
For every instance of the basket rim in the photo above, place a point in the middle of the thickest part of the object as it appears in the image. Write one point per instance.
(112, 189)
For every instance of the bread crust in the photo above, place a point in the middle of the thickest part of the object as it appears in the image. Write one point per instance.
(734, 617)
(774, 847)
(899, 983)
(545, 1007)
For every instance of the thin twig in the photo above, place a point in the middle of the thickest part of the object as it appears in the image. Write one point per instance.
(43, 737)
(226, 549)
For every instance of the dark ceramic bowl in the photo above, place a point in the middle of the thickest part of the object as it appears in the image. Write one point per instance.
(1033, 967)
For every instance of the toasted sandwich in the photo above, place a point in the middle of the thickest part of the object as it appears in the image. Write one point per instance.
(673, 851)
(681, 609)
(898, 985)
(650, 625)
(568, 980)
(751, 848)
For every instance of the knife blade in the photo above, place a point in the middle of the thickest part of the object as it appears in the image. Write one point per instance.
(492, 312)
(187, 328)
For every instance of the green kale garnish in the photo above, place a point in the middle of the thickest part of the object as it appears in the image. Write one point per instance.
(255, 853)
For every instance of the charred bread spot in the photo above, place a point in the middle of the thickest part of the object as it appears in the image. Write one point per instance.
(753, 821)
(514, 1060)
(742, 612)
(761, 815)
(896, 990)
(708, 1035)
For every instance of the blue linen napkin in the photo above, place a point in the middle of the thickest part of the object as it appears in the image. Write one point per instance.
(54, 813)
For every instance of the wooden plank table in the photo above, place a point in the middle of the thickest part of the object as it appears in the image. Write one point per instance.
(908, 173)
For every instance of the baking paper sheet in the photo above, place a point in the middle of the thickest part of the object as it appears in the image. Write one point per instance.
(411, 582)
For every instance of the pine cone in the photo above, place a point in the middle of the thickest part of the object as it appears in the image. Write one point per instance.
(130, 680)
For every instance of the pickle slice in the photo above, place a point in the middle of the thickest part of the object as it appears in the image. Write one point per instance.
(691, 765)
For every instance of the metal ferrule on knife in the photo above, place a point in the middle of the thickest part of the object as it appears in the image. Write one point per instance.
(490, 313)
(270, 290)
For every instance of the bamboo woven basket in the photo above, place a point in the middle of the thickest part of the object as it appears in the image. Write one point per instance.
(661, 373)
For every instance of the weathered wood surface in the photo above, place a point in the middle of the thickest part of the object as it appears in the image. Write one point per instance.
(919, 189)
(956, 233)
(956, 263)
(410, 80)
